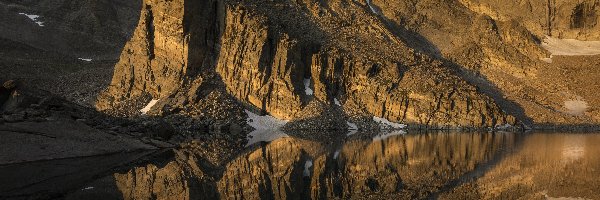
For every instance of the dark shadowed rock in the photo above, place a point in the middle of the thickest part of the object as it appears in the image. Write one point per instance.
(10, 85)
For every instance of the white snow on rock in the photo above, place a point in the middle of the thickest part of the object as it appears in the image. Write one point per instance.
(576, 107)
(548, 60)
(351, 132)
(386, 124)
(503, 127)
(563, 198)
(34, 18)
(307, 166)
(88, 188)
(307, 89)
(267, 128)
(86, 59)
(570, 47)
(386, 135)
(266, 122)
(373, 8)
(337, 102)
(352, 128)
(149, 106)
(336, 155)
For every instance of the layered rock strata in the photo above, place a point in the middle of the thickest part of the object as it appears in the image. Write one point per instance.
(269, 61)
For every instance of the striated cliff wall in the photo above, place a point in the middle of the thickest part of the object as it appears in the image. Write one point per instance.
(497, 46)
(434, 63)
(269, 61)
(558, 18)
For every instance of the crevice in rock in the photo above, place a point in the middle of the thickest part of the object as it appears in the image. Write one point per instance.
(583, 16)
(150, 31)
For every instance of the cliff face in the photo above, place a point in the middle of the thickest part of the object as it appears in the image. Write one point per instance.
(434, 63)
(164, 53)
(95, 29)
(564, 19)
(264, 63)
(497, 45)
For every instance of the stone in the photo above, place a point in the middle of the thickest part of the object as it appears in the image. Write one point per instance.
(235, 129)
(17, 117)
(448, 66)
(10, 85)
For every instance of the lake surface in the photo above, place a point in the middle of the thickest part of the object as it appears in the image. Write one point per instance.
(366, 166)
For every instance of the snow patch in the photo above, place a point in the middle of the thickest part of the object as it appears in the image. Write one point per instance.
(548, 60)
(267, 128)
(337, 102)
(563, 198)
(570, 47)
(149, 106)
(352, 128)
(307, 166)
(386, 124)
(307, 89)
(503, 127)
(351, 132)
(266, 122)
(374, 9)
(86, 59)
(34, 18)
(576, 107)
(336, 155)
(386, 135)
(88, 188)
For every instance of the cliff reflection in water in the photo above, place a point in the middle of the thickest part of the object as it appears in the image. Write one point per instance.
(438, 165)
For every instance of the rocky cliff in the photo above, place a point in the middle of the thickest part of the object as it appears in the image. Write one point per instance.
(568, 19)
(264, 63)
(433, 63)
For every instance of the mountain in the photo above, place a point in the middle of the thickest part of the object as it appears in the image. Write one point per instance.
(444, 64)
(201, 99)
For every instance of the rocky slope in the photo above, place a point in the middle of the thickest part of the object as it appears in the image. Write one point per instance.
(565, 19)
(427, 63)
(81, 29)
(261, 57)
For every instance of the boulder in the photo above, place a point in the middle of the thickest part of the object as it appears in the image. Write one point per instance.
(17, 117)
(18, 100)
(5, 91)
(10, 85)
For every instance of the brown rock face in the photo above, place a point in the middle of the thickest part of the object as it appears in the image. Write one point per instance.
(259, 68)
(164, 53)
(406, 62)
(564, 19)
(497, 47)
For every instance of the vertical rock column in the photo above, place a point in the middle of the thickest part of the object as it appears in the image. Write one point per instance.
(260, 67)
(171, 43)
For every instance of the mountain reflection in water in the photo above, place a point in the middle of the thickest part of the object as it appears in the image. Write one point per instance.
(433, 165)
(410, 166)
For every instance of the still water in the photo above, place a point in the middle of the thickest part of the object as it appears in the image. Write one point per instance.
(408, 166)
